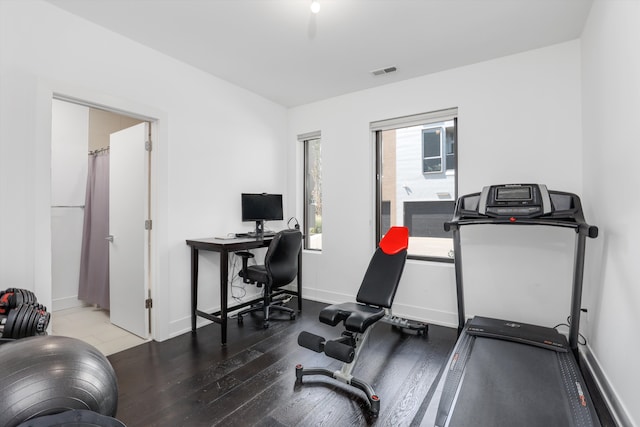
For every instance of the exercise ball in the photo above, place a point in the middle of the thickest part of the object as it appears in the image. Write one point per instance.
(46, 375)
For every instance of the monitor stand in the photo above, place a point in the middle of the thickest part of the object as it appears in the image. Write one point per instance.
(259, 233)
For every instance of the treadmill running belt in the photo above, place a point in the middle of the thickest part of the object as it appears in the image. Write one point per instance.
(510, 384)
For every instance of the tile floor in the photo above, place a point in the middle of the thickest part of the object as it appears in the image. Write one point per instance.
(92, 325)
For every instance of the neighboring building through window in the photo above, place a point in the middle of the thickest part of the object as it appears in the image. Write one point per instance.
(312, 227)
(416, 179)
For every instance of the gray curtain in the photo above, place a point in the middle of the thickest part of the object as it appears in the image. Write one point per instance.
(94, 262)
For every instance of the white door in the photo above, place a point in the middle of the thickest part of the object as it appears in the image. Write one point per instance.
(128, 210)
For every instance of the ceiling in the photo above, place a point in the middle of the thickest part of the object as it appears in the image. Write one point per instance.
(281, 51)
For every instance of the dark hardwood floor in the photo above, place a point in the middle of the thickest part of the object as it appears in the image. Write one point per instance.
(192, 380)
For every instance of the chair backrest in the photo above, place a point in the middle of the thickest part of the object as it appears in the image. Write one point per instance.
(281, 259)
(381, 280)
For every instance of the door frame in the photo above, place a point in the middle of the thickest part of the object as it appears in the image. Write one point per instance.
(46, 92)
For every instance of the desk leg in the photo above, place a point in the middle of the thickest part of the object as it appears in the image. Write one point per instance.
(194, 287)
(299, 280)
(224, 279)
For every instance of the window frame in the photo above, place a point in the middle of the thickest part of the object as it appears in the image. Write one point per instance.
(306, 140)
(401, 122)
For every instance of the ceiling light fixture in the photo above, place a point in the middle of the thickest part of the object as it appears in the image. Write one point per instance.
(315, 6)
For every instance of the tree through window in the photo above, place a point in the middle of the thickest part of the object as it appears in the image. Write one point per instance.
(312, 228)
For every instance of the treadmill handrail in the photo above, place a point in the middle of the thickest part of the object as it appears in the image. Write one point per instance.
(582, 228)
(573, 220)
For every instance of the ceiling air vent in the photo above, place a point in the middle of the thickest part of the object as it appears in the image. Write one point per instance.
(385, 70)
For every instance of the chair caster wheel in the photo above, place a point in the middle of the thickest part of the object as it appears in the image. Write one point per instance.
(265, 325)
(240, 321)
(292, 316)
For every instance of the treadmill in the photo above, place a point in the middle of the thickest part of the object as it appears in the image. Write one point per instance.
(507, 373)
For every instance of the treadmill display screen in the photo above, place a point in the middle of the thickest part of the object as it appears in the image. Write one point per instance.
(513, 193)
(514, 200)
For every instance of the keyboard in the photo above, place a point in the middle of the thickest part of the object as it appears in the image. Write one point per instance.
(253, 234)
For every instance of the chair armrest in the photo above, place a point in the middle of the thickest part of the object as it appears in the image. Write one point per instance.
(245, 263)
(245, 254)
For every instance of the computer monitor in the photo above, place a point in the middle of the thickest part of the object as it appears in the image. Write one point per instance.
(261, 207)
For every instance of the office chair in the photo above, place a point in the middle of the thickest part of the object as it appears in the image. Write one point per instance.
(279, 269)
(374, 301)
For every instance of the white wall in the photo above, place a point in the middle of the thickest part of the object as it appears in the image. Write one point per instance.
(69, 146)
(611, 108)
(519, 121)
(213, 140)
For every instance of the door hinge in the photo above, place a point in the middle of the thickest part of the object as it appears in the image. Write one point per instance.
(148, 224)
(148, 145)
(148, 303)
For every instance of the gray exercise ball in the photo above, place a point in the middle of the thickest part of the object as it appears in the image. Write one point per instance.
(46, 375)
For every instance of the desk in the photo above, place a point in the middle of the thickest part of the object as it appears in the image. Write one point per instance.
(224, 246)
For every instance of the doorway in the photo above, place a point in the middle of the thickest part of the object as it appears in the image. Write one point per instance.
(81, 136)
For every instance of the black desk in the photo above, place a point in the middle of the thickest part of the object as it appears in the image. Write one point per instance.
(224, 246)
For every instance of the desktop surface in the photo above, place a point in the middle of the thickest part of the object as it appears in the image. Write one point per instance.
(229, 244)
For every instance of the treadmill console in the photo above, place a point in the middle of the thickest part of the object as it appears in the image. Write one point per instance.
(523, 204)
(520, 200)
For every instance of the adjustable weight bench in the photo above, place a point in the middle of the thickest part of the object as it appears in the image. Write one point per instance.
(374, 301)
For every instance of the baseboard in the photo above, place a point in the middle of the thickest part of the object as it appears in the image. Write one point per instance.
(183, 325)
(406, 311)
(616, 409)
(421, 314)
(409, 312)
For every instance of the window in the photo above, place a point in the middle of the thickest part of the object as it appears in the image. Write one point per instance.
(432, 150)
(312, 227)
(416, 180)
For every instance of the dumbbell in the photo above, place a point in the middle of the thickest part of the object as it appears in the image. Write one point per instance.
(12, 297)
(25, 320)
